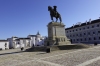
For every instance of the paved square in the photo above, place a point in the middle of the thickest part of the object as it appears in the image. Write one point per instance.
(76, 57)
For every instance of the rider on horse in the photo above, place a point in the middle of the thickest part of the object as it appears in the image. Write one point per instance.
(54, 13)
(55, 10)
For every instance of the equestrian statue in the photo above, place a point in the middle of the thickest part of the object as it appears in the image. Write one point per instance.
(54, 13)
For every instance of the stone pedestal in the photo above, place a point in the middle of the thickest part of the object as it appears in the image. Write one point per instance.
(56, 34)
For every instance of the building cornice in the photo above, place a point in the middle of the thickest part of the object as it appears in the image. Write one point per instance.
(84, 24)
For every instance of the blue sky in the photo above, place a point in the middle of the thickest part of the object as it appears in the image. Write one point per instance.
(23, 17)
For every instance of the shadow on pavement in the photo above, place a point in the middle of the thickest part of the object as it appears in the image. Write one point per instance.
(12, 53)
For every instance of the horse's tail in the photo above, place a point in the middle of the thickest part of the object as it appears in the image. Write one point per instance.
(60, 18)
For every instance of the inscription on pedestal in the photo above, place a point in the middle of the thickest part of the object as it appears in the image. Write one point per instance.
(60, 31)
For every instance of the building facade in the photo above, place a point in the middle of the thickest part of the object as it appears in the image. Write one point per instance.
(14, 42)
(25, 41)
(37, 40)
(4, 45)
(88, 32)
(11, 41)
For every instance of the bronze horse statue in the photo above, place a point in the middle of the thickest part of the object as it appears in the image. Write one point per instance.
(54, 13)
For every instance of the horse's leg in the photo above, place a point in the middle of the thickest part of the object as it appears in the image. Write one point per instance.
(60, 19)
(56, 19)
(52, 18)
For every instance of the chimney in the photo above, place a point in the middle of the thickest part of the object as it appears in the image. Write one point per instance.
(86, 22)
(90, 20)
(79, 23)
(73, 25)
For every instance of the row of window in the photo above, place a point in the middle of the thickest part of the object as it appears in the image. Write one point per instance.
(83, 28)
(81, 34)
(85, 39)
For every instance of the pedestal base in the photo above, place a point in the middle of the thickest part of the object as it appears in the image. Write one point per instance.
(56, 34)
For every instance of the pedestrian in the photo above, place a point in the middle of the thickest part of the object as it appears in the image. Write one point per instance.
(22, 47)
(33, 47)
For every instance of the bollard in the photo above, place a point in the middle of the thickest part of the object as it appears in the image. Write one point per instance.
(48, 50)
(22, 49)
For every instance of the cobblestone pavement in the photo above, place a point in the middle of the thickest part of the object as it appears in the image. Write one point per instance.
(96, 63)
(76, 57)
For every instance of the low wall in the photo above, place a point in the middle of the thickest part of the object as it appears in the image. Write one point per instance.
(61, 47)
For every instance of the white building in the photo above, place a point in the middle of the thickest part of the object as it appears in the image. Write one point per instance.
(11, 41)
(4, 44)
(14, 42)
(25, 41)
(88, 32)
(37, 39)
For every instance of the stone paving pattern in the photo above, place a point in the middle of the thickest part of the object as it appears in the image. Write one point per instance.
(55, 58)
(97, 63)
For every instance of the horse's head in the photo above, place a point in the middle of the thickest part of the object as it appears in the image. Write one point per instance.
(49, 8)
